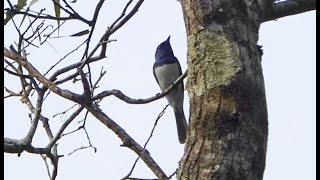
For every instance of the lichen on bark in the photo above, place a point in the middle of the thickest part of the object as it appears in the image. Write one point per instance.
(212, 60)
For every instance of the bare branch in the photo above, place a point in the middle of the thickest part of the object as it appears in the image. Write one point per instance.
(86, 86)
(287, 8)
(36, 118)
(93, 24)
(47, 83)
(12, 146)
(73, 13)
(47, 166)
(175, 172)
(16, 74)
(73, 66)
(89, 141)
(11, 93)
(64, 126)
(71, 17)
(64, 112)
(102, 73)
(129, 100)
(81, 148)
(64, 57)
(145, 145)
(112, 29)
(18, 146)
(129, 16)
(30, 25)
(127, 140)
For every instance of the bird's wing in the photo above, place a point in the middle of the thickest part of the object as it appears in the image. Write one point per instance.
(154, 73)
(180, 72)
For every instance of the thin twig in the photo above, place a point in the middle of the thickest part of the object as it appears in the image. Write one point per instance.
(64, 57)
(64, 112)
(47, 166)
(93, 24)
(64, 126)
(145, 145)
(81, 148)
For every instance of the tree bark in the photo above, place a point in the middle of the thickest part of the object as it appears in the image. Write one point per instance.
(228, 130)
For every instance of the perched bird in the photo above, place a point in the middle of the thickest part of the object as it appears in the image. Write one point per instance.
(166, 70)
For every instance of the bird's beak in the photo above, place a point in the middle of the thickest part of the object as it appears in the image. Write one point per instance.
(168, 40)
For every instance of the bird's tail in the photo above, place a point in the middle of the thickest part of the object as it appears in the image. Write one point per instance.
(182, 126)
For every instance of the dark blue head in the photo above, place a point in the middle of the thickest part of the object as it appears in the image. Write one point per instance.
(164, 50)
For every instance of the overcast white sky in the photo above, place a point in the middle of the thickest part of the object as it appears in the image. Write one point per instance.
(289, 71)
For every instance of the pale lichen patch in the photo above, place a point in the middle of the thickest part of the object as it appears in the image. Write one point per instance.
(212, 59)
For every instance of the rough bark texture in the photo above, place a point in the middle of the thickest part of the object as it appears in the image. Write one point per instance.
(228, 131)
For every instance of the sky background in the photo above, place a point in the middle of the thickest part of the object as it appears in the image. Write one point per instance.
(288, 62)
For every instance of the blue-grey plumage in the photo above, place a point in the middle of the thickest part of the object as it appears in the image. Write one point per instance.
(166, 70)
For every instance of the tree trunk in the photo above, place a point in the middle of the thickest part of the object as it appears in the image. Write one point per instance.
(228, 130)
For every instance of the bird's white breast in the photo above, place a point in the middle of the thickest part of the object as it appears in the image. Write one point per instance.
(167, 74)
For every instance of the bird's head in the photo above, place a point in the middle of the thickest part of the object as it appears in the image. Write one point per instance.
(164, 49)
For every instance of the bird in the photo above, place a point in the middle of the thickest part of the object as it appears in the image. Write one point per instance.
(166, 71)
